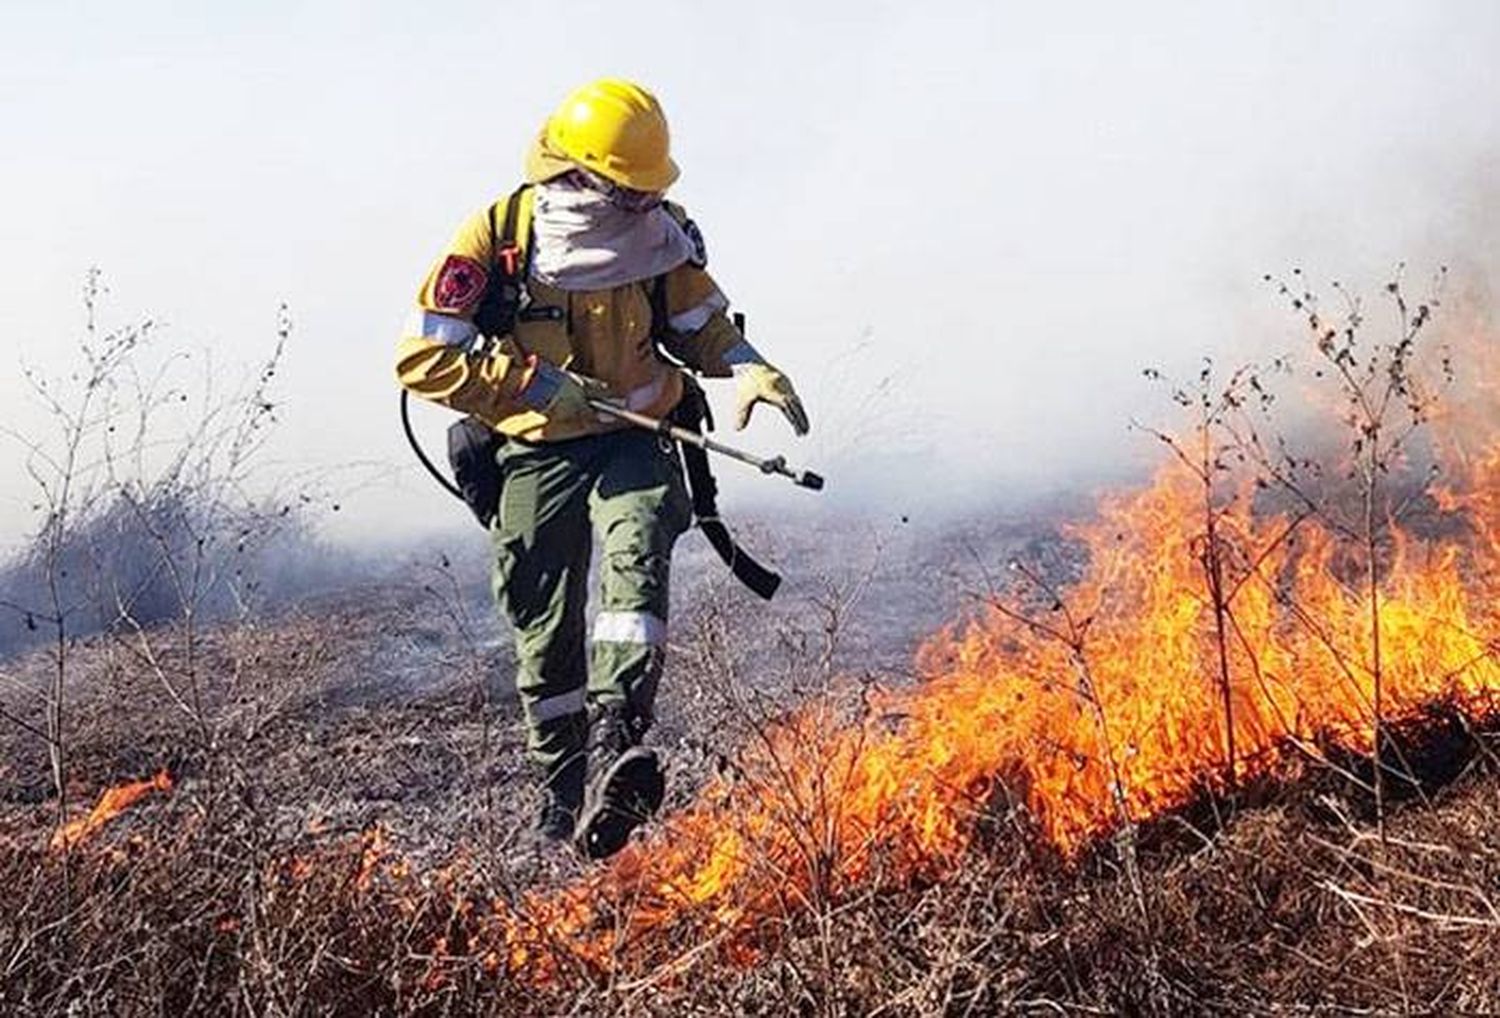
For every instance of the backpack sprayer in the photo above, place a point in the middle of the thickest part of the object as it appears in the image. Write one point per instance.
(472, 448)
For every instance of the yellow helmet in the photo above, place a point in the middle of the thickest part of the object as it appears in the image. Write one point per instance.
(612, 127)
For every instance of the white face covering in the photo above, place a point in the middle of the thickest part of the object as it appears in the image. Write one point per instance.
(583, 241)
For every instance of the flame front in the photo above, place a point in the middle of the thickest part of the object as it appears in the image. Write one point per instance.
(112, 803)
(1113, 727)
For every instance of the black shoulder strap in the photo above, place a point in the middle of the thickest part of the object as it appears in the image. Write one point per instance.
(656, 294)
(512, 215)
(505, 289)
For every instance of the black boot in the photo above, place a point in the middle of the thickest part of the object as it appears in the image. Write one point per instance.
(626, 786)
(562, 797)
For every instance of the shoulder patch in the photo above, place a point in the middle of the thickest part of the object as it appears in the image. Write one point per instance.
(700, 249)
(460, 284)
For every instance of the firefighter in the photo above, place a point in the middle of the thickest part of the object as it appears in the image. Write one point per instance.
(585, 275)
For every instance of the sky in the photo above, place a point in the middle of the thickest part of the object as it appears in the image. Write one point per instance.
(963, 228)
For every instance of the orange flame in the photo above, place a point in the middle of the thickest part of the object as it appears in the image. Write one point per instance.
(111, 804)
(1101, 711)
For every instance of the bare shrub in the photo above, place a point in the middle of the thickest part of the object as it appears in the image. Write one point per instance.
(147, 525)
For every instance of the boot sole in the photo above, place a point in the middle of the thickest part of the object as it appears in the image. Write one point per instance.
(625, 797)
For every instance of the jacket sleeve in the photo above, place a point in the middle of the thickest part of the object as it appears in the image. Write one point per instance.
(699, 332)
(434, 358)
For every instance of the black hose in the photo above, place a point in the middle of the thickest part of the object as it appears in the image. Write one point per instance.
(416, 447)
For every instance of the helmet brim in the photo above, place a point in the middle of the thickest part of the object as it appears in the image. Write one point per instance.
(544, 163)
(658, 181)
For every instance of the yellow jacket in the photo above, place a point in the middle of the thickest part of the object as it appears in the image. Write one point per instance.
(604, 334)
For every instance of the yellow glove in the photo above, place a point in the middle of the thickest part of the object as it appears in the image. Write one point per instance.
(761, 383)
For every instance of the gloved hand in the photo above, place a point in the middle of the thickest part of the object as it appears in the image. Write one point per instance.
(555, 392)
(761, 383)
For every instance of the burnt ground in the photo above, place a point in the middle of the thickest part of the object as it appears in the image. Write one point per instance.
(393, 700)
(391, 703)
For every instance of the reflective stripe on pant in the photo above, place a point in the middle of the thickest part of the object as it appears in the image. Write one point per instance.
(629, 489)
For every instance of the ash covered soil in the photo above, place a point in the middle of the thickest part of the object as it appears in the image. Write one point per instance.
(392, 700)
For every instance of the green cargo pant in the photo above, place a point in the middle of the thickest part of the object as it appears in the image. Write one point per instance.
(627, 487)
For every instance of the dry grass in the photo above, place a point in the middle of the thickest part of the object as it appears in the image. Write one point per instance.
(261, 885)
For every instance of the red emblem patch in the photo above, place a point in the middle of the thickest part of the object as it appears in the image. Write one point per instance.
(460, 284)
